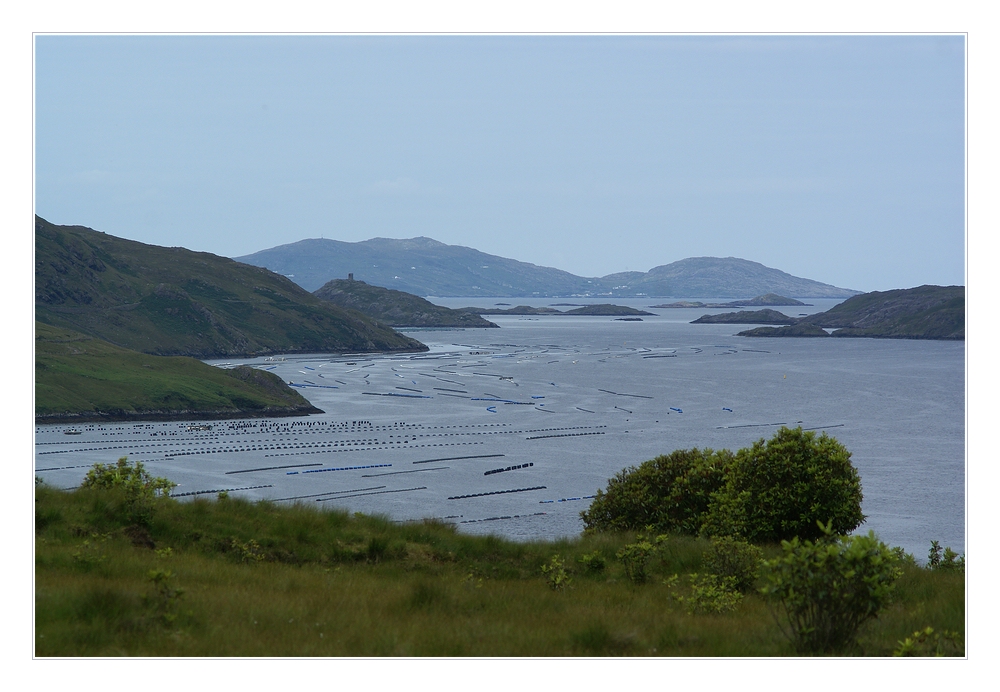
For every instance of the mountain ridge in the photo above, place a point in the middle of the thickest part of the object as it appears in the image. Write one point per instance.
(427, 267)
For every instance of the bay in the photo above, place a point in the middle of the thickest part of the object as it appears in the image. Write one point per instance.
(512, 430)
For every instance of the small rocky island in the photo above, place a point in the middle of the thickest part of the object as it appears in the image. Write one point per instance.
(601, 310)
(925, 312)
(768, 299)
(765, 316)
(395, 308)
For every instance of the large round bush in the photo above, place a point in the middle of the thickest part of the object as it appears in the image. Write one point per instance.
(670, 493)
(781, 488)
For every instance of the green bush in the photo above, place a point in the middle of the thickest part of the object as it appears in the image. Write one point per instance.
(782, 488)
(137, 488)
(949, 561)
(710, 594)
(556, 575)
(593, 563)
(670, 493)
(737, 560)
(927, 642)
(821, 592)
(636, 556)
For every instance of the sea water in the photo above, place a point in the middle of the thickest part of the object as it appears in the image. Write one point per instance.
(511, 431)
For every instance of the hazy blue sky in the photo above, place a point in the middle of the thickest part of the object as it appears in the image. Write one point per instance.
(839, 159)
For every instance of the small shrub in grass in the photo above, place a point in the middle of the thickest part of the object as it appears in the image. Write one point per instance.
(709, 594)
(821, 592)
(249, 553)
(950, 560)
(165, 595)
(781, 488)
(593, 563)
(138, 488)
(635, 557)
(737, 560)
(927, 642)
(556, 575)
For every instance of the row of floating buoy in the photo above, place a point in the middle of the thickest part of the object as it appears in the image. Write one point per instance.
(566, 499)
(220, 490)
(497, 492)
(509, 516)
(342, 468)
(509, 468)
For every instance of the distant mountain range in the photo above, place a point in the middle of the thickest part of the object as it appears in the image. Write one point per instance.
(173, 301)
(425, 267)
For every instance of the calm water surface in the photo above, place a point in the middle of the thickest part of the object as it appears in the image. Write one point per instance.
(510, 430)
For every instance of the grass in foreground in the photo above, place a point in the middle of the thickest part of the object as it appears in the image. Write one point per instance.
(262, 580)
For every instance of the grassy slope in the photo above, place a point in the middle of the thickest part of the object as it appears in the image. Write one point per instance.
(395, 308)
(925, 312)
(331, 584)
(78, 377)
(172, 301)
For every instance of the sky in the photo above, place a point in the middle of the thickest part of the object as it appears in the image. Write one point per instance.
(831, 157)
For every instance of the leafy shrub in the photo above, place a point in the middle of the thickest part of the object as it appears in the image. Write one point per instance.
(821, 592)
(949, 561)
(137, 487)
(668, 493)
(783, 488)
(737, 560)
(710, 594)
(635, 557)
(555, 574)
(249, 553)
(593, 563)
(165, 596)
(927, 642)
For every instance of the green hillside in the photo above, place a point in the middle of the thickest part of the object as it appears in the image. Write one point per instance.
(172, 301)
(80, 378)
(395, 308)
(925, 312)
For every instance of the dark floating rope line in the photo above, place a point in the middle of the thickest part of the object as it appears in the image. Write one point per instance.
(542, 437)
(566, 499)
(335, 492)
(63, 468)
(478, 456)
(497, 492)
(273, 468)
(396, 473)
(381, 492)
(341, 468)
(509, 468)
(510, 516)
(220, 490)
(751, 425)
